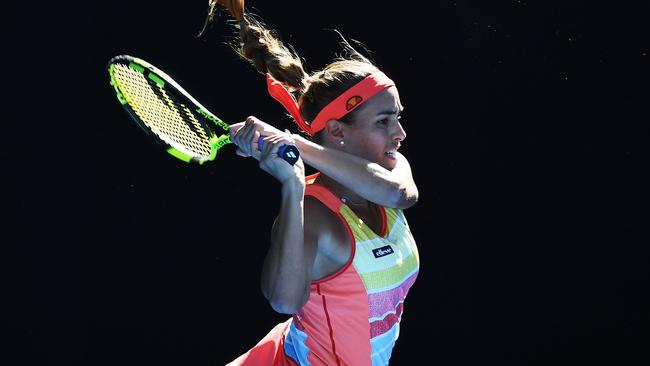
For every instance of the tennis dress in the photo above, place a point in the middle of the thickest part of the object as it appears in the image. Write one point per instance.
(352, 317)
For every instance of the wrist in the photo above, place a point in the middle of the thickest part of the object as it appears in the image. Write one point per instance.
(306, 147)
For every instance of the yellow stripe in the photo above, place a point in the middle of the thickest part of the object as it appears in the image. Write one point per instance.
(403, 245)
(391, 218)
(384, 277)
(387, 277)
(360, 231)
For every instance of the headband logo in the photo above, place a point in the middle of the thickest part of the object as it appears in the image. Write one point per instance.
(353, 102)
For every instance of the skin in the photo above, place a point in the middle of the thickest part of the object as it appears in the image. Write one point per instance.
(360, 170)
(376, 130)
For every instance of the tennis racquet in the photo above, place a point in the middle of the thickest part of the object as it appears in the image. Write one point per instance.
(169, 115)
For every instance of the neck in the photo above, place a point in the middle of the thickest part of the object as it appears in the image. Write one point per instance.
(347, 196)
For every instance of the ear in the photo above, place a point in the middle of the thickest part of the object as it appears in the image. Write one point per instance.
(335, 129)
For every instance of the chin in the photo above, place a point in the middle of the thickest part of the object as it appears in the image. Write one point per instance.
(388, 162)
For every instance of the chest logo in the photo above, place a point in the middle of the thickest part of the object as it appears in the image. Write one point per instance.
(383, 251)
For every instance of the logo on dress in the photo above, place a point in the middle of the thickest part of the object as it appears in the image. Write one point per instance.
(380, 252)
(353, 102)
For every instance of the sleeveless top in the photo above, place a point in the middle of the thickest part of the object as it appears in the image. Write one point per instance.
(352, 316)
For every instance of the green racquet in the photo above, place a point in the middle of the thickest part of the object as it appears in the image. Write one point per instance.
(169, 115)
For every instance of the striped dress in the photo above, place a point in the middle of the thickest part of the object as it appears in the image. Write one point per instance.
(352, 317)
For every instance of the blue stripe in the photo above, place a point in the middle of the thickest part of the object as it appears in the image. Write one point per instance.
(294, 345)
(382, 346)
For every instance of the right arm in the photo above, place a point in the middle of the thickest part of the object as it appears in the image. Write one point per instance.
(286, 272)
(325, 249)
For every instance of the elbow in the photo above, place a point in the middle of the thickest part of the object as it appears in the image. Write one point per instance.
(287, 303)
(405, 198)
(286, 306)
(286, 296)
(283, 307)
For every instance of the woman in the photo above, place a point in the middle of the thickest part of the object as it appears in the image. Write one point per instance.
(342, 257)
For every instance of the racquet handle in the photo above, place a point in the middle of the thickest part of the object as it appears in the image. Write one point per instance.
(289, 153)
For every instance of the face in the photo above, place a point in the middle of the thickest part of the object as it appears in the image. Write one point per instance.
(376, 133)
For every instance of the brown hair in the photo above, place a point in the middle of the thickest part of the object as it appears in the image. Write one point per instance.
(264, 50)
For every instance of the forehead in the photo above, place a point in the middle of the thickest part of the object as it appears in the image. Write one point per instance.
(385, 100)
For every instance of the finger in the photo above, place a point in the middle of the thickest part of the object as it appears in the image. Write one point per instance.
(237, 136)
(256, 139)
(267, 146)
(281, 140)
(273, 145)
(286, 140)
(267, 152)
(278, 140)
(245, 135)
(234, 128)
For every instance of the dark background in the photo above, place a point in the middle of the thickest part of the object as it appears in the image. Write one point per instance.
(526, 121)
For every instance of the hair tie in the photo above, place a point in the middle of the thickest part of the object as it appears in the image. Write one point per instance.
(345, 103)
(282, 95)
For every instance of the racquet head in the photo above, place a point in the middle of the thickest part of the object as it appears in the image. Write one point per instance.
(165, 111)
(169, 114)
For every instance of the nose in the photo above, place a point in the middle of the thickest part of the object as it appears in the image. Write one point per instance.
(399, 134)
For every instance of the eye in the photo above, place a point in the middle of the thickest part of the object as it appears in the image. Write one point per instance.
(383, 122)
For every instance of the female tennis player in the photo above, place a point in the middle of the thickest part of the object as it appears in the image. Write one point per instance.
(342, 257)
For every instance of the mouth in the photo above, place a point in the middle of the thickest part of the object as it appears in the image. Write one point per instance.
(391, 153)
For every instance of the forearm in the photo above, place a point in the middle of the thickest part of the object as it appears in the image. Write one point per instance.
(394, 188)
(286, 270)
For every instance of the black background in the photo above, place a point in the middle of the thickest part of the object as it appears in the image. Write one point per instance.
(526, 122)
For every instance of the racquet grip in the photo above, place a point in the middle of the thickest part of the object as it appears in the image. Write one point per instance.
(288, 153)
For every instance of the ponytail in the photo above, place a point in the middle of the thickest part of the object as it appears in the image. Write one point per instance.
(261, 46)
(264, 50)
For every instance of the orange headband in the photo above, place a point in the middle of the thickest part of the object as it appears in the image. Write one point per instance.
(336, 109)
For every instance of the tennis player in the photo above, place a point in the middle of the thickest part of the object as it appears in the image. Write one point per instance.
(342, 257)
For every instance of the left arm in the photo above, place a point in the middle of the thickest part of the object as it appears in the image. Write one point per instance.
(392, 188)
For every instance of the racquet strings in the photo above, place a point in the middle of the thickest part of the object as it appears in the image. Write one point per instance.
(170, 120)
